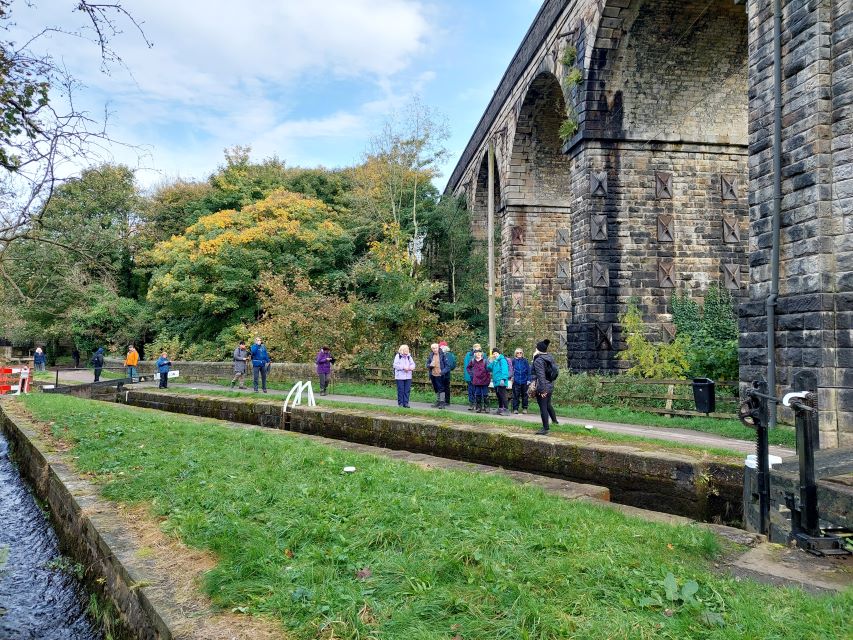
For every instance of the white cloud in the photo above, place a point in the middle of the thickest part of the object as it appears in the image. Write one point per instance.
(223, 73)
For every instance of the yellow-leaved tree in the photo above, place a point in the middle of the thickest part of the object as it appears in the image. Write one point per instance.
(205, 281)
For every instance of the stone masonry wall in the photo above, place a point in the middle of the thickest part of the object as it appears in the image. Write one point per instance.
(633, 238)
(816, 285)
(670, 70)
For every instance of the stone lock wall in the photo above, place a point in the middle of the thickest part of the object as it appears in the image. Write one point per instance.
(815, 310)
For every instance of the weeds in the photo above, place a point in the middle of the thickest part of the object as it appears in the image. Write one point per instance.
(64, 564)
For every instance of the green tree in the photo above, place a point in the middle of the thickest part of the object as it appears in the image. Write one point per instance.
(172, 208)
(454, 258)
(84, 238)
(109, 321)
(648, 359)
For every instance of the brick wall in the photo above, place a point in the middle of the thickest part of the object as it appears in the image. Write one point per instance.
(816, 285)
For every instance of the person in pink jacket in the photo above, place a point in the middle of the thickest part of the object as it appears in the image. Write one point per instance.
(404, 364)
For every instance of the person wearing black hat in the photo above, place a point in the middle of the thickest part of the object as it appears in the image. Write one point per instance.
(544, 372)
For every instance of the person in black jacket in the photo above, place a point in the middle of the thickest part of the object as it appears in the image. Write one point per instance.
(542, 362)
(98, 362)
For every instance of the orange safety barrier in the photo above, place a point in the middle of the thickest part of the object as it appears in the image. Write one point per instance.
(15, 380)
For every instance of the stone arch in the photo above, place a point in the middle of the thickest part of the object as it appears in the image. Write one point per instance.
(664, 135)
(672, 70)
(539, 171)
(481, 197)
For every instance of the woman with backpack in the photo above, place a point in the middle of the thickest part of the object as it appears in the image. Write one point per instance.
(544, 373)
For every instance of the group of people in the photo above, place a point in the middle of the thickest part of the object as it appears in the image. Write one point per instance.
(260, 360)
(518, 375)
(523, 378)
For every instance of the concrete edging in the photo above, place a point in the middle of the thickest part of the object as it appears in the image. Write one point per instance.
(88, 534)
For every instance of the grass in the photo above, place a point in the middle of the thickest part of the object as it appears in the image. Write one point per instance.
(395, 551)
(445, 417)
(783, 436)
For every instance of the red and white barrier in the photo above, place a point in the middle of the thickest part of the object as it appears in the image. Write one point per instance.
(15, 380)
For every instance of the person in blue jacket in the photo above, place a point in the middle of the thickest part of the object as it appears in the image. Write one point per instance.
(260, 361)
(39, 359)
(500, 379)
(468, 379)
(163, 367)
(520, 381)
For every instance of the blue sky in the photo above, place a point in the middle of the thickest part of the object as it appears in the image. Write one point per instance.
(306, 81)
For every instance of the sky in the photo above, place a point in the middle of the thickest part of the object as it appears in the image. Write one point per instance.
(308, 82)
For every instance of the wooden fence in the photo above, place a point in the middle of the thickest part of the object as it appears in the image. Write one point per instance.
(670, 396)
(385, 375)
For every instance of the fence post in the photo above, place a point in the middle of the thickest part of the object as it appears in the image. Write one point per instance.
(670, 391)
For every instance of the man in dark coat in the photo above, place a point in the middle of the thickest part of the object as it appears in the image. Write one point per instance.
(543, 364)
(98, 362)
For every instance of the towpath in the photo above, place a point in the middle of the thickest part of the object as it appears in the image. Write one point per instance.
(683, 436)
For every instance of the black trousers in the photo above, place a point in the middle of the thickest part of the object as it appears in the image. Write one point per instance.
(445, 380)
(97, 374)
(545, 409)
(501, 393)
(519, 394)
(164, 380)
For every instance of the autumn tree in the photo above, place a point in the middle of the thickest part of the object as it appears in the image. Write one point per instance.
(207, 278)
(394, 182)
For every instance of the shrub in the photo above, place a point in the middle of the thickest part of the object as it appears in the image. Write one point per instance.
(712, 332)
(650, 360)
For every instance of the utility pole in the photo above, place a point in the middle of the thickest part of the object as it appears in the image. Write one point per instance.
(491, 241)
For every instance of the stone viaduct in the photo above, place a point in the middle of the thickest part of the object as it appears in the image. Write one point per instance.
(660, 179)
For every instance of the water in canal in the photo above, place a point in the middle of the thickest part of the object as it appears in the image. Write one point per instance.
(40, 599)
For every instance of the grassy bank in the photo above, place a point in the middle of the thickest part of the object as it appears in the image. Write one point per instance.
(782, 436)
(395, 551)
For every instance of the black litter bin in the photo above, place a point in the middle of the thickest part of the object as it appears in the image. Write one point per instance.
(703, 394)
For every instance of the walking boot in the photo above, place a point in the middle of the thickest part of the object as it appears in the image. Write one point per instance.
(470, 406)
(435, 404)
(479, 405)
(543, 432)
(486, 405)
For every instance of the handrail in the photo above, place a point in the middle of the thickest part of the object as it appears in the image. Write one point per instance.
(299, 388)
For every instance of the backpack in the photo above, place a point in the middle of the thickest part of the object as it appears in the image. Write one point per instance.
(451, 360)
(551, 371)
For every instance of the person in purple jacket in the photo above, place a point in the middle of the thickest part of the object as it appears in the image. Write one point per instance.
(324, 368)
(478, 369)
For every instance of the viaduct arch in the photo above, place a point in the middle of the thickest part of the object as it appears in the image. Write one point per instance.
(664, 185)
